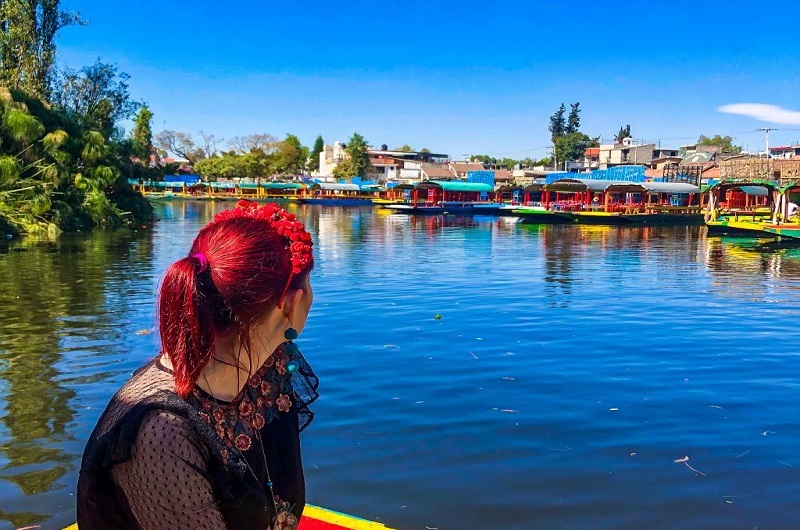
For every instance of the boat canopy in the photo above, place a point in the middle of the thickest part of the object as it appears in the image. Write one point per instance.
(760, 191)
(669, 187)
(575, 185)
(455, 185)
(533, 187)
(509, 188)
(738, 183)
(335, 187)
(617, 186)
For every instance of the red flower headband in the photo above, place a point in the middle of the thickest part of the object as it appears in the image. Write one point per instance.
(286, 224)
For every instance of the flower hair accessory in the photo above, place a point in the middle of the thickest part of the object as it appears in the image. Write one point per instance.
(286, 224)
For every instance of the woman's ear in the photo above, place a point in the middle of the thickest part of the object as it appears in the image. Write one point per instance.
(291, 303)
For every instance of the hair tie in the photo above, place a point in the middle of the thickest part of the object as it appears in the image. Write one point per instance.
(203, 262)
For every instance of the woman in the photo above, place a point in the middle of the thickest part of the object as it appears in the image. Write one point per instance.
(206, 436)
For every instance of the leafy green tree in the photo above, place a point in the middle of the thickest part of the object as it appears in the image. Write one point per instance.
(142, 135)
(557, 123)
(58, 174)
(313, 161)
(294, 154)
(572, 146)
(424, 150)
(97, 94)
(624, 132)
(573, 120)
(404, 148)
(724, 143)
(28, 30)
(357, 162)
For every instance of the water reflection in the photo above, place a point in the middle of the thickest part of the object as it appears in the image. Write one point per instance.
(56, 306)
(749, 267)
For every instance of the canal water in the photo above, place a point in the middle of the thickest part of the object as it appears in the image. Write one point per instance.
(475, 373)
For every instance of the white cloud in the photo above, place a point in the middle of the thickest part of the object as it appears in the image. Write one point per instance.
(762, 112)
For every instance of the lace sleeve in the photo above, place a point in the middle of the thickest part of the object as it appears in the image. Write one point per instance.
(165, 481)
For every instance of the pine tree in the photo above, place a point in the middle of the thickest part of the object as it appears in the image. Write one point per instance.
(313, 161)
(573, 120)
(557, 123)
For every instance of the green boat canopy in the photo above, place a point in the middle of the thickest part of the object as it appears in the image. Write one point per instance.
(455, 185)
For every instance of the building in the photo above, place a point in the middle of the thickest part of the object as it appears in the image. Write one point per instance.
(329, 158)
(385, 165)
(628, 152)
(462, 168)
(431, 171)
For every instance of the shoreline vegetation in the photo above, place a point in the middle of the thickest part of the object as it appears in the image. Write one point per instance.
(64, 163)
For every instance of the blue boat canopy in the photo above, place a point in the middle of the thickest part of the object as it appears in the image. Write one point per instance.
(455, 185)
(336, 187)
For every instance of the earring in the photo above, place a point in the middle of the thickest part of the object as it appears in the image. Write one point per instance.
(291, 349)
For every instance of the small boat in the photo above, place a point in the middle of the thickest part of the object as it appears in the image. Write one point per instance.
(537, 215)
(330, 194)
(316, 518)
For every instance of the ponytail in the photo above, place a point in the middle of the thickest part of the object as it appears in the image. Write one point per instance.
(186, 322)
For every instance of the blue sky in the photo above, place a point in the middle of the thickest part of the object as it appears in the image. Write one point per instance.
(455, 77)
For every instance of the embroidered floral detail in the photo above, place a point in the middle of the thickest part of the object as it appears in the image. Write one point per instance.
(243, 442)
(280, 366)
(284, 403)
(267, 394)
(246, 409)
(286, 521)
(225, 454)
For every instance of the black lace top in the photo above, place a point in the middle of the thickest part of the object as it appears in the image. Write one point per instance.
(158, 461)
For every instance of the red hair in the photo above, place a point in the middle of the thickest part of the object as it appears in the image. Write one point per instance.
(238, 269)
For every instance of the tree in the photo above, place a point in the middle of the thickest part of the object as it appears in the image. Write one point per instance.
(424, 150)
(404, 148)
(262, 142)
(357, 162)
(142, 135)
(97, 94)
(624, 132)
(557, 123)
(573, 145)
(56, 173)
(313, 160)
(724, 143)
(209, 143)
(28, 30)
(573, 120)
(181, 144)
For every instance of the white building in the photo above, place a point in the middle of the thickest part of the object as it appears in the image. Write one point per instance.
(329, 158)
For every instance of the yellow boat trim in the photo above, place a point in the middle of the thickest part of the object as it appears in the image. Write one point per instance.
(326, 516)
(341, 519)
(597, 214)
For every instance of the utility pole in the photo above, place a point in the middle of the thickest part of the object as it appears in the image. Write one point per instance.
(766, 137)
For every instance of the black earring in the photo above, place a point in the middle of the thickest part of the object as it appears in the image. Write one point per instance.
(291, 349)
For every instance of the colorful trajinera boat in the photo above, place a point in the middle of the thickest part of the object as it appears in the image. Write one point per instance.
(748, 208)
(610, 202)
(449, 197)
(336, 194)
(316, 518)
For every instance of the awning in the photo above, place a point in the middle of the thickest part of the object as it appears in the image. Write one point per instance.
(336, 187)
(670, 187)
(455, 185)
